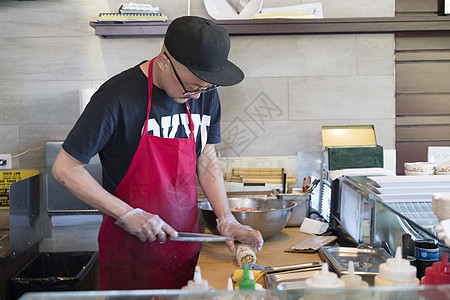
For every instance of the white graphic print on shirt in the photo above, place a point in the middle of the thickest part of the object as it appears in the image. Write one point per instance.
(169, 126)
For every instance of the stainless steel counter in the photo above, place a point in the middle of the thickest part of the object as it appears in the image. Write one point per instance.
(382, 292)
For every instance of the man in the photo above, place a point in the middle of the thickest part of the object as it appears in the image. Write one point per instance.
(154, 127)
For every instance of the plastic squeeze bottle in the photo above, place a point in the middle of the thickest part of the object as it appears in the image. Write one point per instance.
(439, 273)
(246, 283)
(324, 285)
(396, 271)
(198, 284)
(352, 280)
(324, 280)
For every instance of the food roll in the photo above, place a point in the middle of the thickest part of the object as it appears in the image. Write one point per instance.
(245, 255)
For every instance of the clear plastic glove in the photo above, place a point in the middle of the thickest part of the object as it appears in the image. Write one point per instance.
(146, 226)
(228, 226)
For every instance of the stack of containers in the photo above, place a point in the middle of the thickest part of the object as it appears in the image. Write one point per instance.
(419, 168)
(442, 168)
(441, 206)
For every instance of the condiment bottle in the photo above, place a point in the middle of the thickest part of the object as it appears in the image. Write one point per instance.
(427, 252)
(198, 284)
(246, 283)
(324, 280)
(257, 285)
(352, 280)
(230, 286)
(396, 271)
(439, 273)
(323, 285)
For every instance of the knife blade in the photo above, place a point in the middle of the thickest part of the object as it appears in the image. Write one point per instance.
(200, 237)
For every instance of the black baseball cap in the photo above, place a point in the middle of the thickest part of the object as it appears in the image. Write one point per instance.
(203, 46)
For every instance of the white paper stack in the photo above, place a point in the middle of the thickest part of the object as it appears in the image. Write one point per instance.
(132, 7)
(409, 188)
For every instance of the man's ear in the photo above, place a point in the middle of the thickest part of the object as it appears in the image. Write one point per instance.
(162, 61)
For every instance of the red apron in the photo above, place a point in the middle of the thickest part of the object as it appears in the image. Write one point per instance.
(160, 180)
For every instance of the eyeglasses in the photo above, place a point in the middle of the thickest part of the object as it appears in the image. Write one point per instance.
(186, 92)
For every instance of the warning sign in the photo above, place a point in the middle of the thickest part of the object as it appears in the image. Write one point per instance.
(8, 177)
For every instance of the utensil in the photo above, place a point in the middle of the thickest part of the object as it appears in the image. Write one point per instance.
(290, 277)
(406, 238)
(301, 267)
(269, 216)
(312, 186)
(200, 237)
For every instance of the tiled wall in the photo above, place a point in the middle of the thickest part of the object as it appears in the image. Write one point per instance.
(294, 84)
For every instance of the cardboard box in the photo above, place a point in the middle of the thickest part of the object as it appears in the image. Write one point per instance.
(337, 158)
(351, 146)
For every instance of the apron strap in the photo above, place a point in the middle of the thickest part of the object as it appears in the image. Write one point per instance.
(191, 122)
(150, 89)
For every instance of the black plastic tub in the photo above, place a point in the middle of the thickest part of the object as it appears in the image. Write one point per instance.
(56, 271)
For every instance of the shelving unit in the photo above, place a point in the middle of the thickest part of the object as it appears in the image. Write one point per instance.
(405, 26)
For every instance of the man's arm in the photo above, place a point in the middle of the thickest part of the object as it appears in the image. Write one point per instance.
(71, 173)
(211, 180)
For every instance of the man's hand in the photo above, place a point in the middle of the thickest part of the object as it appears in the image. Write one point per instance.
(228, 226)
(146, 226)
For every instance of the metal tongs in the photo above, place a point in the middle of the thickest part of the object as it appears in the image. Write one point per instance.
(200, 237)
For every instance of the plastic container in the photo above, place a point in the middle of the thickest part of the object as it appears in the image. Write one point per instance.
(324, 286)
(324, 280)
(354, 285)
(426, 252)
(198, 284)
(352, 280)
(56, 271)
(396, 271)
(439, 273)
(246, 283)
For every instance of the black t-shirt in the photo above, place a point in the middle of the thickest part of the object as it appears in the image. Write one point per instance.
(112, 122)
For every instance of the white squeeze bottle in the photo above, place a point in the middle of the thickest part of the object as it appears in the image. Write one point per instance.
(352, 280)
(198, 284)
(323, 285)
(397, 271)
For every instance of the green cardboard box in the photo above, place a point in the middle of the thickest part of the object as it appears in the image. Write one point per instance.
(343, 157)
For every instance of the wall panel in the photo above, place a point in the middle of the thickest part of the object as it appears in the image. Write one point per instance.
(422, 66)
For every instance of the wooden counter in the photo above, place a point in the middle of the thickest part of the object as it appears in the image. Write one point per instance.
(217, 262)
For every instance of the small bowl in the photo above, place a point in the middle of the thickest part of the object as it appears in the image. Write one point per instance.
(443, 167)
(441, 173)
(419, 166)
(412, 173)
(269, 216)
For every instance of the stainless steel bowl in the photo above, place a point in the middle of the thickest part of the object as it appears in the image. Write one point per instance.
(269, 216)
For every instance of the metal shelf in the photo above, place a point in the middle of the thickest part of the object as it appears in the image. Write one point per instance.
(405, 26)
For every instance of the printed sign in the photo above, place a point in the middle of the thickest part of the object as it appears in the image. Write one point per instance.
(8, 177)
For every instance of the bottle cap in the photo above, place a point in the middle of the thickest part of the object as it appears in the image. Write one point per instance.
(352, 280)
(198, 284)
(439, 273)
(230, 286)
(246, 283)
(324, 279)
(397, 269)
